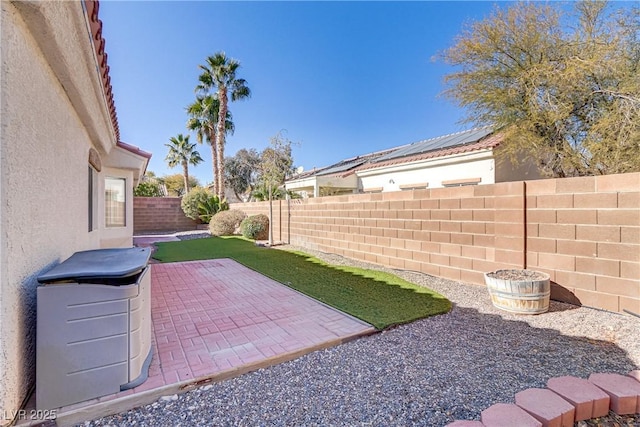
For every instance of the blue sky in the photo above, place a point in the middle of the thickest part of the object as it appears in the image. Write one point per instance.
(343, 78)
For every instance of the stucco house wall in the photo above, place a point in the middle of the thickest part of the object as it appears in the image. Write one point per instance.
(431, 173)
(53, 113)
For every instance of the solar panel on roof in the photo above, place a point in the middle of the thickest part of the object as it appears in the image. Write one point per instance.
(439, 143)
(342, 167)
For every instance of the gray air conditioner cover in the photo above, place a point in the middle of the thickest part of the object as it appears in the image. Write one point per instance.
(99, 264)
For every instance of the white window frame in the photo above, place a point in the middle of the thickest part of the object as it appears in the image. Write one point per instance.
(111, 203)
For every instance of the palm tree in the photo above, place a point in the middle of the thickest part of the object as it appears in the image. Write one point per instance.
(219, 76)
(181, 152)
(203, 120)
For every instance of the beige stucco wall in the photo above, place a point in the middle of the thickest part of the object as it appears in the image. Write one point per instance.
(324, 185)
(53, 112)
(477, 164)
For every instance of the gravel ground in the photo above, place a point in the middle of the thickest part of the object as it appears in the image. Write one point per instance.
(427, 373)
(195, 234)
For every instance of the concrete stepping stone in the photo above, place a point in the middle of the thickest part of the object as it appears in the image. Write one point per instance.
(547, 407)
(589, 401)
(623, 390)
(463, 423)
(635, 374)
(508, 415)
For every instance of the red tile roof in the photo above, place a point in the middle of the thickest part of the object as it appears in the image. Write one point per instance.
(491, 141)
(133, 149)
(95, 24)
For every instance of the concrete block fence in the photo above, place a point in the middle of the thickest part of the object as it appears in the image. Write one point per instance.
(565, 401)
(584, 232)
(159, 214)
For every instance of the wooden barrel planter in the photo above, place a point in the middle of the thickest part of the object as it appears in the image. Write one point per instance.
(519, 291)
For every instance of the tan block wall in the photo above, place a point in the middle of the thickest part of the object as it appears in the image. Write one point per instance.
(159, 214)
(450, 232)
(585, 232)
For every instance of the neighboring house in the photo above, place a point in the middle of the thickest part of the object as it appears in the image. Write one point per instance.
(66, 179)
(463, 158)
(339, 178)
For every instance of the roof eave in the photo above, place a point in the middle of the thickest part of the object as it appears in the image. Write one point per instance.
(490, 142)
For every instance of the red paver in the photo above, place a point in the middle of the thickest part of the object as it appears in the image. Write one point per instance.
(214, 316)
(588, 400)
(547, 407)
(508, 415)
(635, 374)
(222, 315)
(623, 390)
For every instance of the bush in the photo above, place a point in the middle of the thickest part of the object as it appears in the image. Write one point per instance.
(255, 227)
(147, 189)
(226, 223)
(192, 200)
(201, 204)
(211, 206)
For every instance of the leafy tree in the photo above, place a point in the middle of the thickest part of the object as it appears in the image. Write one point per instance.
(182, 152)
(203, 119)
(276, 164)
(147, 189)
(219, 75)
(563, 89)
(149, 186)
(241, 172)
(261, 193)
(175, 184)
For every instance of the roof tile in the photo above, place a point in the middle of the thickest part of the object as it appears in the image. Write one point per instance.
(92, 7)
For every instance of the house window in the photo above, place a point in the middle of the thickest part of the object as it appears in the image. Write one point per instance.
(373, 190)
(461, 182)
(92, 213)
(418, 186)
(115, 202)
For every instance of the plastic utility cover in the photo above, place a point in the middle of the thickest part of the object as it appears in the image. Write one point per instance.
(99, 264)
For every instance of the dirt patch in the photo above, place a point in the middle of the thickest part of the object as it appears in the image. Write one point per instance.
(517, 275)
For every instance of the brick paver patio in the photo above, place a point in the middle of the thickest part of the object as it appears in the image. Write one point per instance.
(215, 319)
(215, 315)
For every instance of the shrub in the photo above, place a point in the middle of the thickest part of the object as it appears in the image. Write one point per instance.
(147, 189)
(226, 223)
(202, 204)
(255, 227)
(211, 206)
(192, 200)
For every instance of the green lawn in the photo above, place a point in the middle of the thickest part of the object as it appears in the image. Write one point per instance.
(378, 298)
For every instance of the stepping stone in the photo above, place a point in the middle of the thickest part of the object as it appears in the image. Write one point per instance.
(623, 390)
(508, 415)
(461, 423)
(547, 407)
(635, 374)
(588, 400)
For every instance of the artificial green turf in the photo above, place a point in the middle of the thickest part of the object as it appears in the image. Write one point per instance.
(378, 298)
